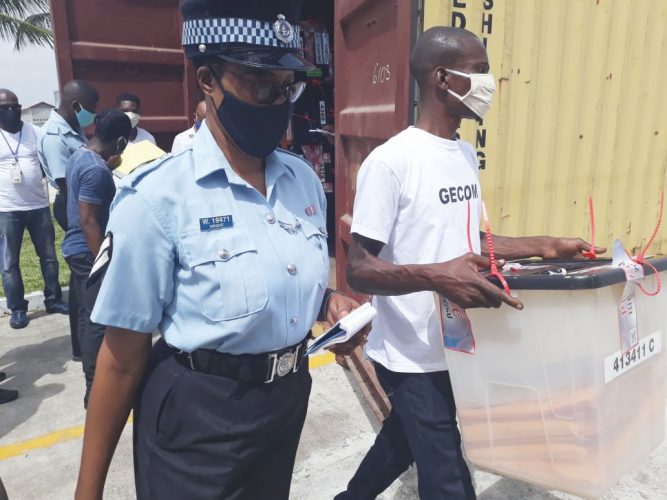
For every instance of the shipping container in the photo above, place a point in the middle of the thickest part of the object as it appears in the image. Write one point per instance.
(579, 111)
(128, 47)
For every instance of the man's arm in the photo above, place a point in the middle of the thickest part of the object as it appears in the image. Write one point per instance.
(458, 279)
(121, 364)
(55, 158)
(92, 231)
(546, 247)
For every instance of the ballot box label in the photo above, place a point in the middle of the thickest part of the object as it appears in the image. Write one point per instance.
(620, 362)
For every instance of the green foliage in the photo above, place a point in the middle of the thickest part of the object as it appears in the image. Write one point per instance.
(26, 22)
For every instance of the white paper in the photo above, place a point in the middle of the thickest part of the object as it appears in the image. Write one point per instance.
(326, 54)
(620, 362)
(627, 310)
(344, 330)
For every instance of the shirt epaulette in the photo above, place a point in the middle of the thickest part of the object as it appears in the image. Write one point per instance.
(140, 173)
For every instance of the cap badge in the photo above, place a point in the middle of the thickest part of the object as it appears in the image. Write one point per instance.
(283, 30)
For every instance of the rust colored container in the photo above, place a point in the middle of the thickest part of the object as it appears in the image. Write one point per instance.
(375, 99)
(121, 46)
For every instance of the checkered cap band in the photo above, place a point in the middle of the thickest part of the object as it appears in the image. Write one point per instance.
(235, 30)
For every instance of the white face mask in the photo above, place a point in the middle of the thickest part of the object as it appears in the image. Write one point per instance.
(134, 118)
(478, 98)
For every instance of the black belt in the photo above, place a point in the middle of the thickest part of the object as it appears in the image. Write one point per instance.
(258, 368)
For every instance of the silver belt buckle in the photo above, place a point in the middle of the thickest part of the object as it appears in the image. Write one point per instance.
(283, 364)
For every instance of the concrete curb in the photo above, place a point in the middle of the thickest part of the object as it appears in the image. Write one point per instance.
(35, 301)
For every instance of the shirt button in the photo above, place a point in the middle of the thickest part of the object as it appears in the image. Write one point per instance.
(224, 254)
(294, 320)
(270, 219)
(291, 269)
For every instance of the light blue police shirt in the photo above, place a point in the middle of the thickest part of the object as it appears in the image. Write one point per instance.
(202, 256)
(57, 142)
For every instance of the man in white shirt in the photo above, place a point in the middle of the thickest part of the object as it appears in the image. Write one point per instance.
(184, 139)
(130, 104)
(24, 205)
(415, 231)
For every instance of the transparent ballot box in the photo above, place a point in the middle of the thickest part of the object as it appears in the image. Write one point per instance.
(546, 395)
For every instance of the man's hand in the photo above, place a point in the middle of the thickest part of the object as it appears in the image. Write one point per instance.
(340, 306)
(460, 281)
(568, 248)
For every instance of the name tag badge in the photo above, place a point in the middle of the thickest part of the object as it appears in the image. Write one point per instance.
(15, 172)
(216, 222)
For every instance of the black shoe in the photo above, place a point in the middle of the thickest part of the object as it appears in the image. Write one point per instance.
(58, 307)
(3, 376)
(18, 320)
(7, 395)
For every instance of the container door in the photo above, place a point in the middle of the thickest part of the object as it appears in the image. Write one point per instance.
(374, 100)
(120, 46)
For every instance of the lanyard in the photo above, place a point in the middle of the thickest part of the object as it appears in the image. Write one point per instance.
(15, 154)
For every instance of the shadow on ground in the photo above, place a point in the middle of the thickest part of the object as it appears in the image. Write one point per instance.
(506, 488)
(25, 366)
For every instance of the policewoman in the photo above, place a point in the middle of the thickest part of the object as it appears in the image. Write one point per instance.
(222, 248)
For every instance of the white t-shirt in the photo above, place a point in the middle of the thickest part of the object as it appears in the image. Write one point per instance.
(143, 135)
(30, 193)
(412, 195)
(183, 140)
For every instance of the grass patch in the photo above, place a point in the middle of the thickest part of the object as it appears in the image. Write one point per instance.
(30, 270)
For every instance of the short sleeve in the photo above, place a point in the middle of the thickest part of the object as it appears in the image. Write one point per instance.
(55, 156)
(139, 280)
(91, 185)
(176, 145)
(376, 201)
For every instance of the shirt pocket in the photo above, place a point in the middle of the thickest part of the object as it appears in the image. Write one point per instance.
(316, 236)
(226, 272)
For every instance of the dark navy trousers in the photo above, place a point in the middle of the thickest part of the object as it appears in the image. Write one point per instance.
(197, 436)
(420, 429)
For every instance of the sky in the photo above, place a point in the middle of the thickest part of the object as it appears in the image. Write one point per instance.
(30, 74)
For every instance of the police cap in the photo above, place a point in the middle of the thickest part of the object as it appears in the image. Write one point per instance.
(257, 33)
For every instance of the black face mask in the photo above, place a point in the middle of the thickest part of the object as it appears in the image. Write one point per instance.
(10, 119)
(256, 130)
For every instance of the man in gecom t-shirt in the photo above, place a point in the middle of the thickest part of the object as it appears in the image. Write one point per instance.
(415, 231)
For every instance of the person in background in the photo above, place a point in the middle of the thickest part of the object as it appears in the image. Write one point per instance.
(417, 212)
(24, 204)
(59, 138)
(91, 189)
(184, 139)
(130, 104)
(62, 135)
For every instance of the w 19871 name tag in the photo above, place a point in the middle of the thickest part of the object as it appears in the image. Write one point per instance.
(217, 222)
(619, 363)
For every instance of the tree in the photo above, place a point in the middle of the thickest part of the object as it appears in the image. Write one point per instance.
(26, 22)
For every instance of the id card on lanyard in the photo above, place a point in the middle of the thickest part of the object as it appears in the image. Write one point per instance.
(14, 169)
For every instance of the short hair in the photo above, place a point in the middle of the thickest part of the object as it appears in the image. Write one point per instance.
(80, 90)
(439, 46)
(129, 97)
(111, 125)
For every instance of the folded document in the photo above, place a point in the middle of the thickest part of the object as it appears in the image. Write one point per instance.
(345, 329)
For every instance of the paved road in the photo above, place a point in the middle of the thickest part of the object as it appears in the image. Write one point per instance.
(40, 433)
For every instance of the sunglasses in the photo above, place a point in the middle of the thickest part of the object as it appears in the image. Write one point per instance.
(268, 92)
(10, 107)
